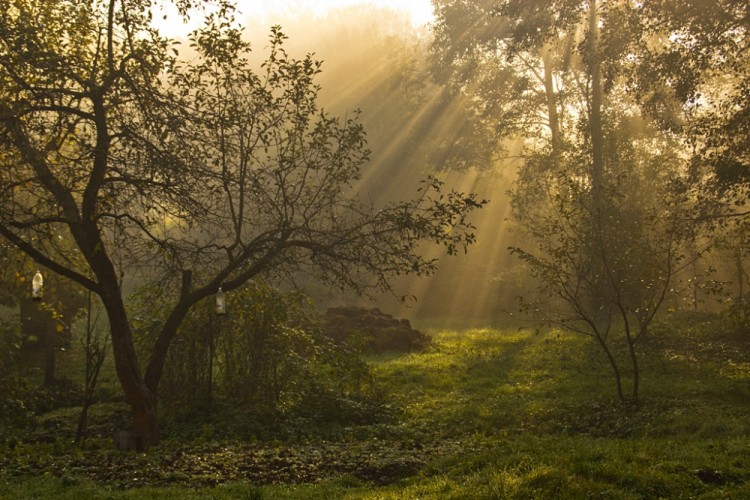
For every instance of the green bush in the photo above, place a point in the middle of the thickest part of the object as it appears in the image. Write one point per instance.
(65, 393)
(15, 414)
(270, 357)
(736, 317)
(15, 411)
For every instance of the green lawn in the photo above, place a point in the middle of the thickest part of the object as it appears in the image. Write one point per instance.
(482, 414)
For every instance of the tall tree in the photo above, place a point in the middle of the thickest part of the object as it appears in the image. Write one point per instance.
(693, 77)
(192, 176)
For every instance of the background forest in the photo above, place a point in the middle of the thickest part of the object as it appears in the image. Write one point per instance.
(554, 192)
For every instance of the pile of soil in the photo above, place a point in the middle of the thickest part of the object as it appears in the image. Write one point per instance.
(380, 332)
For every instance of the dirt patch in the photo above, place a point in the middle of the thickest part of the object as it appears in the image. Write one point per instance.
(379, 332)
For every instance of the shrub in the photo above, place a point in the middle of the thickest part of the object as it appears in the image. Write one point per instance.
(15, 411)
(737, 316)
(270, 356)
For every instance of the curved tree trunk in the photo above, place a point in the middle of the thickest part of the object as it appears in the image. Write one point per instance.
(145, 418)
(614, 366)
(636, 373)
(634, 366)
(142, 401)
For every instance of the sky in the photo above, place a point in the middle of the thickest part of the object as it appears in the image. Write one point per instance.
(420, 12)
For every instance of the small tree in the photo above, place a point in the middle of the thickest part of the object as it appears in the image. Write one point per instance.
(189, 176)
(95, 345)
(604, 270)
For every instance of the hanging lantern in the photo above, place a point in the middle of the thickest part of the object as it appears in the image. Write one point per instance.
(37, 285)
(221, 305)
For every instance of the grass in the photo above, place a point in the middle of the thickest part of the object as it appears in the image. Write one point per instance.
(483, 413)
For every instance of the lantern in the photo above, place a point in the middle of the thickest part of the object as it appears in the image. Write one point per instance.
(221, 305)
(37, 284)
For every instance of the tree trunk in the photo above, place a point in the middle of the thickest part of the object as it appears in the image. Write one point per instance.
(142, 401)
(633, 364)
(597, 135)
(615, 368)
(145, 419)
(549, 91)
(49, 349)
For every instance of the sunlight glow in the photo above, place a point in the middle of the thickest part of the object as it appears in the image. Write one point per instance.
(419, 12)
(354, 39)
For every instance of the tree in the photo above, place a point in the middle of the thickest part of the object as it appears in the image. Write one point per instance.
(606, 195)
(694, 78)
(518, 61)
(605, 269)
(190, 176)
(95, 345)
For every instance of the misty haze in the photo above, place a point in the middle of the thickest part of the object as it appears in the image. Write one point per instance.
(343, 249)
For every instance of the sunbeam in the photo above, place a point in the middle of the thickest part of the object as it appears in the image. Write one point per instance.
(374, 63)
(414, 127)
